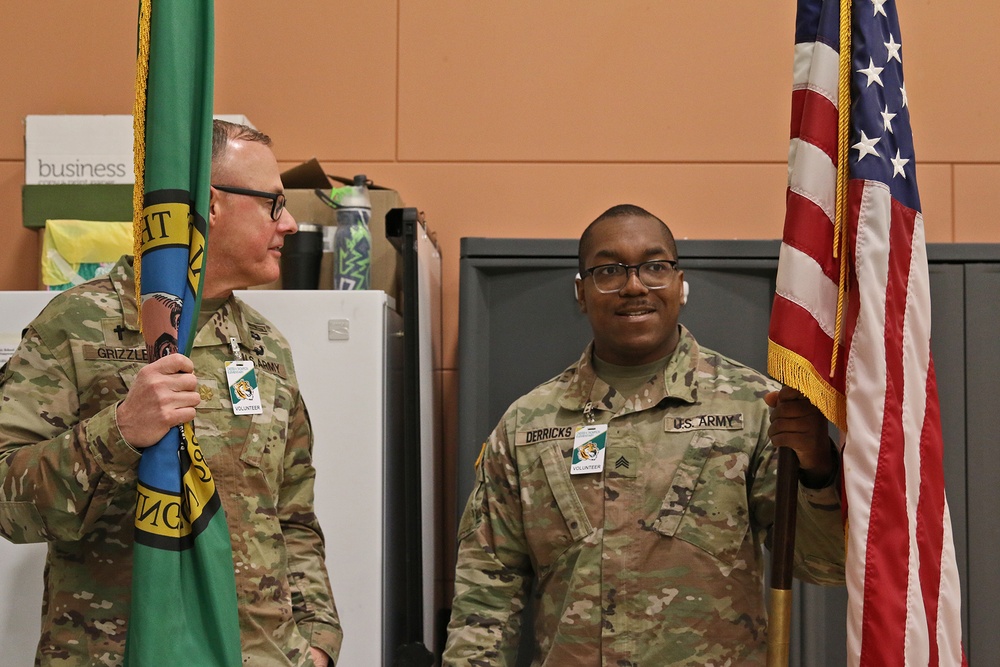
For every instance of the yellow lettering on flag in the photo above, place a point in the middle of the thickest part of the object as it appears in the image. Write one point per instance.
(196, 261)
(160, 514)
(166, 224)
(169, 514)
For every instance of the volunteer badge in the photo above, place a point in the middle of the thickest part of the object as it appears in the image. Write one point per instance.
(243, 387)
(588, 449)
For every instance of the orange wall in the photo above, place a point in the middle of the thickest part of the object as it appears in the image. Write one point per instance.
(524, 118)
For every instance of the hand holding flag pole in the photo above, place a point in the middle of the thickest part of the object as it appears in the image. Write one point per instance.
(799, 431)
(779, 604)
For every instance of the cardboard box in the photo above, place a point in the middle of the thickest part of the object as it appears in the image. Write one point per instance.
(103, 201)
(83, 149)
(39, 203)
(301, 200)
(114, 202)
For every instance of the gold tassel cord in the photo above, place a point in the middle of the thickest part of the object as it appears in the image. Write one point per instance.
(796, 371)
(139, 146)
(843, 172)
(840, 232)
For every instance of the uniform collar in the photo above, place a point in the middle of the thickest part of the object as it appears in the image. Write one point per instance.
(677, 381)
(229, 321)
(122, 276)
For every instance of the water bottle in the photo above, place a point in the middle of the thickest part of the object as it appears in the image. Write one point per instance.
(352, 244)
(301, 256)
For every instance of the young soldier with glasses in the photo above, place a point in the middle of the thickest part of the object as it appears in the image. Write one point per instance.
(637, 488)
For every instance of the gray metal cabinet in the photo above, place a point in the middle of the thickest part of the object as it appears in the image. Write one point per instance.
(519, 325)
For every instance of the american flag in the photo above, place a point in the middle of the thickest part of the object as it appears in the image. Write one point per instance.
(878, 384)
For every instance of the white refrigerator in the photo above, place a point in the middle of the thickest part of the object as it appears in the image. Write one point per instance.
(348, 354)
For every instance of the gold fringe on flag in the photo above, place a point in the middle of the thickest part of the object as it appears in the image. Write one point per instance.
(840, 231)
(139, 146)
(795, 370)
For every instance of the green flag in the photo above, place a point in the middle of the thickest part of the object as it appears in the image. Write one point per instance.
(183, 587)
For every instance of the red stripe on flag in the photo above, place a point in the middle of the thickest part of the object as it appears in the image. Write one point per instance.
(887, 549)
(809, 230)
(930, 511)
(800, 333)
(814, 119)
(855, 189)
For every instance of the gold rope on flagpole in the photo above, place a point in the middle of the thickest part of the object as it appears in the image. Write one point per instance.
(840, 231)
(139, 145)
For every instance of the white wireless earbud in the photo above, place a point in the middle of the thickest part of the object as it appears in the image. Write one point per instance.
(576, 288)
(684, 292)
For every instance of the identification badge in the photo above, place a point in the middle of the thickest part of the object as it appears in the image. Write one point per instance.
(588, 449)
(243, 388)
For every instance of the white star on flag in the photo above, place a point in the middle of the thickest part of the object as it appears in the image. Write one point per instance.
(866, 146)
(887, 119)
(878, 7)
(893, 48)
(872, 72)
(897, 165)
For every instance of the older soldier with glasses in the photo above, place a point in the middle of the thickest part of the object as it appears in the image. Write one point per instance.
(80, 404)
(636, 489)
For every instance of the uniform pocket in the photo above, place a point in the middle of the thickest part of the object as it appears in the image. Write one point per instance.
(707, 502)
(265, 443)
(472, 517)
(553, 516)
(250, 447)
(557, 473)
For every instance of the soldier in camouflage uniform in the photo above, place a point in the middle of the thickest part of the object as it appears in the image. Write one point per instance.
(78, 402)
(655, 557)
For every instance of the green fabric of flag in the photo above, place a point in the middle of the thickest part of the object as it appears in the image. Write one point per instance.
(184, 608)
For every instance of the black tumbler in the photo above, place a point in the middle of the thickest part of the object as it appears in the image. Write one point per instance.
(300, 257)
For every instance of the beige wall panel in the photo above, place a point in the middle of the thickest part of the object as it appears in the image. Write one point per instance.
(318, 76)
(558, 201)
(950, 56)
(322, 75)
(976, 188)
(64, 58)
(603, 81)
(935, 182)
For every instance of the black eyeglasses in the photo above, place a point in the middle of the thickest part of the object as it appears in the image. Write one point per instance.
(277, 199)
(654, 274)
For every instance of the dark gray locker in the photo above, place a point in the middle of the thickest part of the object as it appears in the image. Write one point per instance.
(983, 423)
(948, 333)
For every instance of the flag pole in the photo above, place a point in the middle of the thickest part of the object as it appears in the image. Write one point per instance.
(779, 617)
(779, 625)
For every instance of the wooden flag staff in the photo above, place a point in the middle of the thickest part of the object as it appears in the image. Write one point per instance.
(779, 616)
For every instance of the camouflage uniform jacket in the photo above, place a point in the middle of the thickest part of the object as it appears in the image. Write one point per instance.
(68, 478)
(655, 561)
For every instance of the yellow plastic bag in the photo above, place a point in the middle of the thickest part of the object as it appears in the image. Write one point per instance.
(76, 250)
